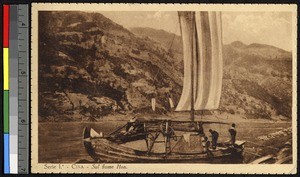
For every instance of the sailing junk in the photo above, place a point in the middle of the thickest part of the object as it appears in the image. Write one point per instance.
(172, 145)
(182, 140)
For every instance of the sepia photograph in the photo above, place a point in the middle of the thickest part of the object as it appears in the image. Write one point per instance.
(114, 88)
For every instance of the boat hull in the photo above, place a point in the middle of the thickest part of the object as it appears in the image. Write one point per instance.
(105, 151)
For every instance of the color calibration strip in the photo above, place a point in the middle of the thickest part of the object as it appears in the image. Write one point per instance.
(16, 89)
(6, 87)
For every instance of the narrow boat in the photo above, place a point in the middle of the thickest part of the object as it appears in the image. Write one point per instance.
(179, 141)
(111, 148)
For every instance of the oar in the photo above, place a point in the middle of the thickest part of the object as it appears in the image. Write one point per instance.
(118, 129)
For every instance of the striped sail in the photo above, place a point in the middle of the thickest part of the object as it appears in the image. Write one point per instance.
(202, 52)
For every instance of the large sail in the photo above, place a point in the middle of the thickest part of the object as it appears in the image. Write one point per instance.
(202, 52)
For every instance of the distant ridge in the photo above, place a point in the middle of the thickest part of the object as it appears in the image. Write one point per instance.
(168, 40)
(257, 45)
(238, 44)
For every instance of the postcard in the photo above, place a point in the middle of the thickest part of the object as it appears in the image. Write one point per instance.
(164, 88)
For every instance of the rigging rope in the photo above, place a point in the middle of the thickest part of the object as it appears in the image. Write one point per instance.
(219, 124)
(168, 51)
(172, 41)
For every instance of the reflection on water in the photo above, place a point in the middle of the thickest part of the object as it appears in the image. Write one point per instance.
(62, 143)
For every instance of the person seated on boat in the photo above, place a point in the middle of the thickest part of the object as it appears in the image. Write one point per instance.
(214, 138)
(232, 132)
(207, 145)
(200, 129)
(130, 127)
(170, 132)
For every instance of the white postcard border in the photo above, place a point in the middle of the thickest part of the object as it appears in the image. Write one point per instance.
(180, 168)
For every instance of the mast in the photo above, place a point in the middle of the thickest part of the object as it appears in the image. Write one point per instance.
(197, 49)
(192, 66)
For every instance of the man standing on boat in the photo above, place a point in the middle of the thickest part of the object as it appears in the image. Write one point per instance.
(214, 138)
(232, 132)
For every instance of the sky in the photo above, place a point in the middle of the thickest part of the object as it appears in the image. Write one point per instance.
(272, 28)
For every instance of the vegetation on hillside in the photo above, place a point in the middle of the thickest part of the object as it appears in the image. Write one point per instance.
(90, 67)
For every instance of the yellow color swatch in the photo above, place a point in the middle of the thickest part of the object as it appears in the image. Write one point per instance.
(5, 69)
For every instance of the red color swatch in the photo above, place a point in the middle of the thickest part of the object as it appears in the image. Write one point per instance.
(5, 26)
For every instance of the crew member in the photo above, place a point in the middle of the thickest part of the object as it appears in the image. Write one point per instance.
(232, 132)
(207, 144)
(200, 128)
(214, 138)
(130, 125)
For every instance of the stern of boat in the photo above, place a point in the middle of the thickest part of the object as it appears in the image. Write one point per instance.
(87, 143)
(238, 148)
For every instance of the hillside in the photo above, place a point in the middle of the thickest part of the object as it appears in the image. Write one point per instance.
(170, 42)
(257, 78)
(90, 67)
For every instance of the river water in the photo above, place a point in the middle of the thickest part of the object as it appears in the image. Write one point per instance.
(61, 142)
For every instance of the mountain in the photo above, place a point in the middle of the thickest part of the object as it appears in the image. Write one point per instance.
(167, 40)
(170, 42)
(90, 66)
(257, 78)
